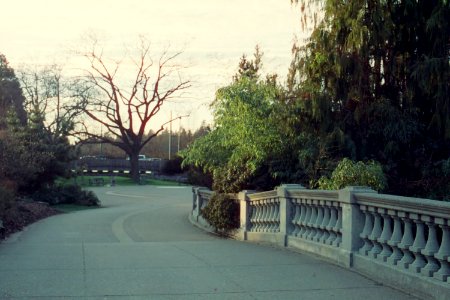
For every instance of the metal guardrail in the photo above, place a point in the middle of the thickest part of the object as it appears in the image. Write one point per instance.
(94, 165)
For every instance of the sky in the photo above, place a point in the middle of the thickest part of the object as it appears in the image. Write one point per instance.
(213, 35)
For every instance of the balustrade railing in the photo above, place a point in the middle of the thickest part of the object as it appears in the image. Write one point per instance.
(200, 199)
(410, 234)
(264, 211)
(317, 217)
(356, 227)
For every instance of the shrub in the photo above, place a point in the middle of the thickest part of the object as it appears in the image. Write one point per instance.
(222, 212)
(358, 173)
(68, 194)
(7, 198)
(172, 166)
(196, 176)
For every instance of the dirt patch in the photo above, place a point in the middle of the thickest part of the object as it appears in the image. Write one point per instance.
(22, 214)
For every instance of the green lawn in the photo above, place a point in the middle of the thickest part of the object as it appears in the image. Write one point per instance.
(89, 181)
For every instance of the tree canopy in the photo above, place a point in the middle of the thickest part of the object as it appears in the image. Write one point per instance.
(11, 96)
(371, 84)
(243, 137)
(374, 81)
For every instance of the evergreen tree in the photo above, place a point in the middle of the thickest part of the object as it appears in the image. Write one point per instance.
(11, 96)
(373, 83)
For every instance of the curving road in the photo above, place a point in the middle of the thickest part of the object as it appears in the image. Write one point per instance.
(140, 245)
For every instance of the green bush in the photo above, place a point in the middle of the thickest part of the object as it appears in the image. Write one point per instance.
(358, 173)
(196, 176)
(7, 198)
(67, 194)
(222, 212)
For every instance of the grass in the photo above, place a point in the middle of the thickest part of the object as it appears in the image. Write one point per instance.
(86, 181)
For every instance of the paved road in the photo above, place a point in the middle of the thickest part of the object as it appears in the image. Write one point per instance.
(141, 246)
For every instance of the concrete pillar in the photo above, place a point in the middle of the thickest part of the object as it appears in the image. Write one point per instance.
(244, 213)
(197, 202)
(194, 198)
(285, 208)
(352, 218)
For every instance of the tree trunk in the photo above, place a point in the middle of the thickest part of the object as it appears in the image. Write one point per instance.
(134, 164)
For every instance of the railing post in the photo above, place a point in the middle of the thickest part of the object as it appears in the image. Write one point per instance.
(352, 219)
(285, 208)
(197, 202)
(194, 202)
(244, 219)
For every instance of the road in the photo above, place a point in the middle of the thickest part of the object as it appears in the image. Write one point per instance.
(140, 245)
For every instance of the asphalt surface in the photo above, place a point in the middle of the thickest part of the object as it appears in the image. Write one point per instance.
(140, 245)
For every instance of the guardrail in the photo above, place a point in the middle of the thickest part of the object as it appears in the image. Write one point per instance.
(95, 165)
(404, 242)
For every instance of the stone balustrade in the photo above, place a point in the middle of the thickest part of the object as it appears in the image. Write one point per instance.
(403, 242)
(200, 199)
(316, 217)
(409, 234)
(264, 212)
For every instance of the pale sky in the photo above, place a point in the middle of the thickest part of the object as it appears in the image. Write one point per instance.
(212, 33)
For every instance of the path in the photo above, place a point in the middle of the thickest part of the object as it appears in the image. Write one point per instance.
(141, 246)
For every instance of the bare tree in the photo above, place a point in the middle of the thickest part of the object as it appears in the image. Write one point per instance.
(125, 112)
(55, 97)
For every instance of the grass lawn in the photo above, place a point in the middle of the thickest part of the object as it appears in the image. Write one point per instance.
(88, 181)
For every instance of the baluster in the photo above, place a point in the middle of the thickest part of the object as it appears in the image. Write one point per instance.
(375, 234)
(325, 221)
(307, 218)
(312, 221)
(385, 236)
(431, 248)
(265, 215)
(268, 219)
(266, 209)
(319, 230)
(301, 221)
(331, 224)
(270, 215)
(395, 240)
(368, 227)
(258, 215)
(406, 242)
(444, 252)
(261, 215)
(253, 216)
(296, 218)
(338, 227)
(419, 244)
(252, 212)
(271, 220)
(277, 216)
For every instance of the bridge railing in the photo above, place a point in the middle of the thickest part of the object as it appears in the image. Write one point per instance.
(109, 165)
(402, 241)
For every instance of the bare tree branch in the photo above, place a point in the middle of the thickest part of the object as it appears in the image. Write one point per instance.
(126, 113)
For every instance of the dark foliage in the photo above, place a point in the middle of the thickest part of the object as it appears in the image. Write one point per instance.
(172, 166)
(68, 194)
(197, 177)
(222, 212)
